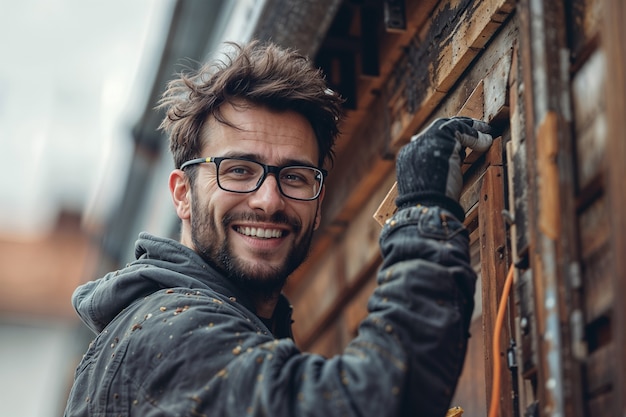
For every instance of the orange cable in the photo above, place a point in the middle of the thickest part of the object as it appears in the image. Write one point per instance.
(495, 381)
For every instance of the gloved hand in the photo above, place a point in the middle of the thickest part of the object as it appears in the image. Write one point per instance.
(428, 168)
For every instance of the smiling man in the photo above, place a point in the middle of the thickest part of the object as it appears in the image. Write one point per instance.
(199, 326)
(254, 225)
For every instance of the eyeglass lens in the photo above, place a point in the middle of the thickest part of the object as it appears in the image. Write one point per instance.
(298, 182)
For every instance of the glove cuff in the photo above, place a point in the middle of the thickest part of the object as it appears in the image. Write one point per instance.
(431, 199)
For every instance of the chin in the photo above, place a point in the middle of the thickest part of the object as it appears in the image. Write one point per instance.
(252, 276)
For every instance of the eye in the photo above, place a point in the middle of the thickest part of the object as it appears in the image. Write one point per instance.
(298, 176)
(236, 169)
(292, 178)
(239, 170)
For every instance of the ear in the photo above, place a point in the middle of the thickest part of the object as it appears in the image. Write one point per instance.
(318, 212)
(180, 189)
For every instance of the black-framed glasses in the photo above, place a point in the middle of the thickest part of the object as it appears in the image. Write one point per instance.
(241, 175)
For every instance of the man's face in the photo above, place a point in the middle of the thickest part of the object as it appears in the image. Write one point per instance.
(257, 238)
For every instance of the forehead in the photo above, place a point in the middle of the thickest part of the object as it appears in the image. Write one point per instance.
(273, 136)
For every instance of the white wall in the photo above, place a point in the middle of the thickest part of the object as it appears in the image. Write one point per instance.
(36, 363)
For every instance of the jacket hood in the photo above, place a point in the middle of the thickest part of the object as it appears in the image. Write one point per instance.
(161, 263)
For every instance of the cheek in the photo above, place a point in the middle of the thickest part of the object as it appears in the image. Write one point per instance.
(221, 204)
(309, 217)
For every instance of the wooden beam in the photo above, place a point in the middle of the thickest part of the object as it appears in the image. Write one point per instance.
(494, 266)
(613, 38)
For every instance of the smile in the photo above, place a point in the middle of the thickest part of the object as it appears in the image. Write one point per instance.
(259, 232)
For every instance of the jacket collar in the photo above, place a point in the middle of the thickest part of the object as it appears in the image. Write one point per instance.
(171, 254)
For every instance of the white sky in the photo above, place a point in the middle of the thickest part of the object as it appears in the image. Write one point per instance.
(73, 76)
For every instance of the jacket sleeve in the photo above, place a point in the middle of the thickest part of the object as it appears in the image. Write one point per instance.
(405, 360)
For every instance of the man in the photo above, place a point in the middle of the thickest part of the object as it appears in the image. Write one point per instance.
(200, 327)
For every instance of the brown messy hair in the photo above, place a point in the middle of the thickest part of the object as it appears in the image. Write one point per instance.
(257, 73)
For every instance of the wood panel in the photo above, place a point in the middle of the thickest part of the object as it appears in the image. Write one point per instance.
(614, 35)
(599, 296)
(356, 310)
(312, 298)
(494, 265)
(330, 341)
(585, 19)
(553, 241)
(602, 405)
(599, 369)
(589, 111)
(591, 125)
(470, 392)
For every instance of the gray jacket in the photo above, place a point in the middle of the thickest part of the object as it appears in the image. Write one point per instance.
(175, 338)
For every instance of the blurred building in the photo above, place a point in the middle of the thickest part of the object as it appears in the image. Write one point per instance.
(543, 197)
(41, 337)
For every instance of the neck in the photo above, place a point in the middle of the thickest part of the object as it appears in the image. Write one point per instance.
(265, 304)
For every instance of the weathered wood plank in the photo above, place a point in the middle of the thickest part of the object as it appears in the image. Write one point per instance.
(594, 227)
(615, 48)
(436, 59)
(552, 208)
(548, 172)
(601, 405)
(517, 163)
(330, 341)
(356, 309)
(329, 315)
(388, 206)
(361, 238)
(586, 20)
(599, 295)
(494, 263)
(588, 102)
(314, 297)
(470, 392)
(599, 369)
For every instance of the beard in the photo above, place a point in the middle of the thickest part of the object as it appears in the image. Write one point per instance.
(261, 279)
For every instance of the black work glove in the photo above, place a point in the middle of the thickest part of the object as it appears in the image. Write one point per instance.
(428, 168)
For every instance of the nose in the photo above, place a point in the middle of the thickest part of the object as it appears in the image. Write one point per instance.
(268, 197)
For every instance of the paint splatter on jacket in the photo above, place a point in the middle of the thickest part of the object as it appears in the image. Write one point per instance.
(175, 338)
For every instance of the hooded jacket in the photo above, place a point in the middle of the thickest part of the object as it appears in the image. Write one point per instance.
(176, 338)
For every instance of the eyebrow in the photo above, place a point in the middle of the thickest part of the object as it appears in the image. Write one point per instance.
(256, 157)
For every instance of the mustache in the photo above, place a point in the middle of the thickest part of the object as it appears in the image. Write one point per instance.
(276, 218)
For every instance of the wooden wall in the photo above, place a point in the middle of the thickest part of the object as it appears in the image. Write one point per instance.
(543, 198)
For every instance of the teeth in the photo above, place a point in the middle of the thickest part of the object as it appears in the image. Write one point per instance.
(259, 232)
